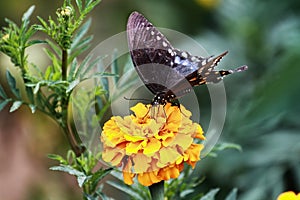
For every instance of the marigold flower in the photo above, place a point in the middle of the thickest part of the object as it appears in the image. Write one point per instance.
(289, 196)
(153, 149)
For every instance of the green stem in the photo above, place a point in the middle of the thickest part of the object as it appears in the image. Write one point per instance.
(157, 191)
(71, 135)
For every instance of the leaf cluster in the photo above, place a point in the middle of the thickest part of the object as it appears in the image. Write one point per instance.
(68, 21)
(83, 168)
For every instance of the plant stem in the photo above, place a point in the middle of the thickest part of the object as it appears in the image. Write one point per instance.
(157, 191)
(71, 135)
(64, 64)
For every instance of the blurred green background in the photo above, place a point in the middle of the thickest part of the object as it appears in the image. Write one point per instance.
(263, 107)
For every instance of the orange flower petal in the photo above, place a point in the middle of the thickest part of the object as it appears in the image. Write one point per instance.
(128, 177)
(169, 172)
(148, 178)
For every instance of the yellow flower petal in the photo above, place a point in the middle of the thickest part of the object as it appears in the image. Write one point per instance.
(152, 146)
(140, 110)
(289, 196)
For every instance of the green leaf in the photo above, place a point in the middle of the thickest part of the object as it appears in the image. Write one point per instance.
(32, 42)
(28, 13)
(92, 65)
(127, 189)
(37, 88)
(232, 195)
(97, 176)
(80, 33)
(4, 103)
(55, 48)
(114, 66)
(79, 73)
(15, 106)
(81, 180)
(68, 169)
(225, 145)
(29, 93)
(211, 194)
(32, 108)
(79, 5)
(2, 93)
(81, 177)
(58, 158)
(72, 69)
(72, 85)
(12, 84)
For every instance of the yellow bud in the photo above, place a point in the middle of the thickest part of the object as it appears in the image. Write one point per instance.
(5, 37)
(67, 11)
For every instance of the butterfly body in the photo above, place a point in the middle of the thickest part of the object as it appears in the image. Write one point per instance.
(167, 72)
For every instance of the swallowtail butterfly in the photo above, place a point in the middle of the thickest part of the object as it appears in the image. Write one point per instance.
(167, 72)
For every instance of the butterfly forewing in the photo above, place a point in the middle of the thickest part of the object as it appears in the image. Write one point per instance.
(159, 65)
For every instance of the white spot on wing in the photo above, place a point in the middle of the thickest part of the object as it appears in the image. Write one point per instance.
(193, 58)
(152, 32)
(158, 38)
(184, 54)
(164, 44)
(177, 60)
(203, 62)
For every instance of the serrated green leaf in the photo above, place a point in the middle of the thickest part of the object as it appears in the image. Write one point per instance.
(32, 108)
(12, 84)
(2, 93)
(210, 195)
(28, 13)
(4, 103)
(16, 105)
(232, 195)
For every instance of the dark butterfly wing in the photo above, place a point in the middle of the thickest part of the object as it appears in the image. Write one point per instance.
(164, 69)
(159, 65)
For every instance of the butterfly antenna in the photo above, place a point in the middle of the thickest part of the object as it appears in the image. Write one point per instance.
(137, 99)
